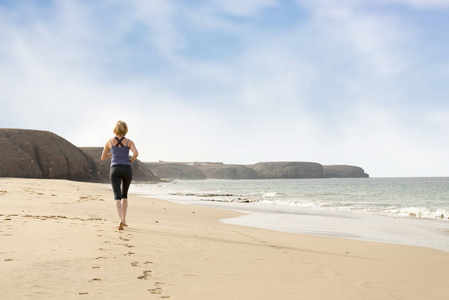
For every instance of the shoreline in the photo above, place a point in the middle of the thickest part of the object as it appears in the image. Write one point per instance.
(324, 222)
(59, 239)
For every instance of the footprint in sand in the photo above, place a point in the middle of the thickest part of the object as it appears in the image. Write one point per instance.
(123, 239)
(83, 293)
(95, 279)
(157, 290)
(135, 264)
(146, 275)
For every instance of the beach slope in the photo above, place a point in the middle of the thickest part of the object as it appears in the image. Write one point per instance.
(59, 240)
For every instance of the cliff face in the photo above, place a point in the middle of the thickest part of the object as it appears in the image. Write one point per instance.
(222, 171)
(262, 170)
(288, 170)
(176, 171)
(42, 154)
(141, 172)
(343, 171)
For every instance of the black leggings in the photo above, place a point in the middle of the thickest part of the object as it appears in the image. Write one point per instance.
(121, 174)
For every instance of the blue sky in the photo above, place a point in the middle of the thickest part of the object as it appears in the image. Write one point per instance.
(335, 82)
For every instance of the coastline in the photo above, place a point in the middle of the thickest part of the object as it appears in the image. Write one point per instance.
(370, 220)
(59, 239)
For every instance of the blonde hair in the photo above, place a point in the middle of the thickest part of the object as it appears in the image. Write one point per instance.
(121, 129)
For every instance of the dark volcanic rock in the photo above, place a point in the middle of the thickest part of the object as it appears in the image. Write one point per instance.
(222, 171)
(176, 171)
(288, 170)
(141, 172)
(43, 154)
(343, 171)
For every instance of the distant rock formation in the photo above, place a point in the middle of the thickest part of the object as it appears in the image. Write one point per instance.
(141, 172)
(223, 171)
(43, 154)
(343, 171)
(286, 170)
(262, 170)
(176, 171)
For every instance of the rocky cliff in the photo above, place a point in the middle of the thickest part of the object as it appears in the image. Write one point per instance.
(343, 171)
(288, 170)
(176, 171)
(43, 154)
(223, 171)
(263, 170)
(141, 172)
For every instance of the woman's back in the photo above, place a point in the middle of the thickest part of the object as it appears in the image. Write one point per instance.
(120, 151)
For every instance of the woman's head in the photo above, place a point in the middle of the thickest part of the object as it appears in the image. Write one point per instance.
(120, 129)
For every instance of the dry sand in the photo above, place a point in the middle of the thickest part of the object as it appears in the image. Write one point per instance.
(59, 240)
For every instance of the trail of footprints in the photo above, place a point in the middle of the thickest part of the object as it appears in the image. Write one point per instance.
(157, 289)
(6, 219)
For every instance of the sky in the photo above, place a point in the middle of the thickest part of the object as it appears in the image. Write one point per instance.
(357, 82)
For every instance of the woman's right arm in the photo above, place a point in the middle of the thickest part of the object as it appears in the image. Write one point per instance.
(133, 148)
(106, 154)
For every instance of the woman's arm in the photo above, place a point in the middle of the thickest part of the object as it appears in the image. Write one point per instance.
(133, 148)
(106, 154)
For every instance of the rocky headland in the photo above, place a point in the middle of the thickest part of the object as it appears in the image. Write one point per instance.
(43, 154)
(262, 170)
(176, 171)
(343, 171)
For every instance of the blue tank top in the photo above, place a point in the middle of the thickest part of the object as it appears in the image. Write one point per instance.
(120, 153)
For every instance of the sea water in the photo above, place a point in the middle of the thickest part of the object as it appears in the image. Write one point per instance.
(410, 211)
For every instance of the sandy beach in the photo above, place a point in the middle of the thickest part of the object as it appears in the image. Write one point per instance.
(59, 240)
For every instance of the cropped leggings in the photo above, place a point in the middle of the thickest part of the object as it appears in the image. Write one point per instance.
(121, 177)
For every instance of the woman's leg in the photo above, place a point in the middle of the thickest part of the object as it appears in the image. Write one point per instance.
(116, 181)
(118, 206)
(127, 178)
(124, 210)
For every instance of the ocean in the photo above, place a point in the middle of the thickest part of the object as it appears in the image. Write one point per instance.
(409, 211)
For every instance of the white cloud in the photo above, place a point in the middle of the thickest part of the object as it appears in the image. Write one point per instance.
(421, 4)
(244, 8)
(373, 39)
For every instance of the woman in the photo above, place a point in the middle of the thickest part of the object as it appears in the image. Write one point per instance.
(121, 172)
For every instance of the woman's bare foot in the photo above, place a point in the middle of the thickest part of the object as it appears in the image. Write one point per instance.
(120, 227)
